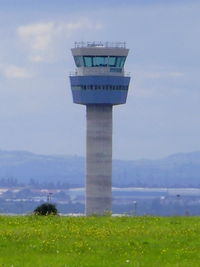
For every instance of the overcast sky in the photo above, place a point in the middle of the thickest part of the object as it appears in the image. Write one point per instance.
(162, 114)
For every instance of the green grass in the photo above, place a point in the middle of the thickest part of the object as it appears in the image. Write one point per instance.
(99, 241)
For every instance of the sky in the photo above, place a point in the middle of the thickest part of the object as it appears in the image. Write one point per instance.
(162, 113)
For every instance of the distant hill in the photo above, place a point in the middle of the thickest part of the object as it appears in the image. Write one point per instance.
(179, 170)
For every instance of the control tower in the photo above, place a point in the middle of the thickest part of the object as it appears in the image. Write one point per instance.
(99, 82)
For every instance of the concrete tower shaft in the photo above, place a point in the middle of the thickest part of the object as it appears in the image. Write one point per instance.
(99, 159)
(99, 83)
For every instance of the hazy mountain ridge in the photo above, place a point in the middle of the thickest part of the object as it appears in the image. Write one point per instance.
(182, 169)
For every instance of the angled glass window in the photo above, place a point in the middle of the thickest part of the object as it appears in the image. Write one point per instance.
(117, 62)
(87, 61)
(100, 61)
(120, 62)
(112, 61)
(78, 61)
(123, 61)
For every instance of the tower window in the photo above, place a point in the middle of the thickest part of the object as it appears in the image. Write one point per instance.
(88, 61)
(78, 61)
(100, 61)
(112, 61)
(120, 62)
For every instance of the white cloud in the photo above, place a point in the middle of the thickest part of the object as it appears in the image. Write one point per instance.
(41, 38)
(15, 72)
(37, 36)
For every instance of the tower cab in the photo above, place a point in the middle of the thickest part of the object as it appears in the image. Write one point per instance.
(99, 76)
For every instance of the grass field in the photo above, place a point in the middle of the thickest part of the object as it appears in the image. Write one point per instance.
(99, 241)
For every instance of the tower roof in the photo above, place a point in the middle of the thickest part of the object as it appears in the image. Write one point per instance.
(100, 49)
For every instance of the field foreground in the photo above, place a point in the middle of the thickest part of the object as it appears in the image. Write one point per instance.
(99, 241)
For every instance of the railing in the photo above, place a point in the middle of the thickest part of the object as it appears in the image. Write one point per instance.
(75, 73)
(100, 44)
(127, 73)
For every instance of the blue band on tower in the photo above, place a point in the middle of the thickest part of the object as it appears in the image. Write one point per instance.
(99, 89)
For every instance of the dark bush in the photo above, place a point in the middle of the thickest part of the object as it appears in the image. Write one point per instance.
(46, 209)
